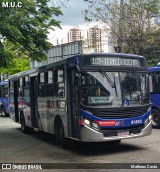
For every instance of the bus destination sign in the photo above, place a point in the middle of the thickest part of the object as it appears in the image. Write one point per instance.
(114, 61)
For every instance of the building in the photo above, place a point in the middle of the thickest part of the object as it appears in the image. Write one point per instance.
(74, 35)
(95, 38)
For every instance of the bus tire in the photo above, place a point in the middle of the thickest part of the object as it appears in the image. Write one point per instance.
(155, 118)
(60, 137)
(24, 128)
(3, 111)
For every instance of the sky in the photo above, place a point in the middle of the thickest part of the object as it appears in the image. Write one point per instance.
(72, 17)
(72, 14)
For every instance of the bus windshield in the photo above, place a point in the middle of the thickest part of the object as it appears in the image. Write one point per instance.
(114, 89)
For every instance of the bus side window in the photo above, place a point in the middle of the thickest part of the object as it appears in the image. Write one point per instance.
(20, 92)
(150, 84)
(155, 83)
(5, 91)
(41, 85)
(49, 84)
(60, 83)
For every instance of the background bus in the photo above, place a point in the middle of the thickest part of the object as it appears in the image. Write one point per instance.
(4, 98)
(154, 77)
(91, 98)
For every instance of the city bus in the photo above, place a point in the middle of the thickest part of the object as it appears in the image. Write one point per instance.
(4, 98)
(154, 78)
(95, 97)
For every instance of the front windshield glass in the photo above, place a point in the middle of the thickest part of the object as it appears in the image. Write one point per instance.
(134, 87)
(114, 89)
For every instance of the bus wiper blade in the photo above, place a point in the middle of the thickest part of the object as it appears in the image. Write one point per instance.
(115, 87)
(110, 82)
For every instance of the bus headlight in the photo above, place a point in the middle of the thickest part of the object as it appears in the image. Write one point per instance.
(150, 117)
(146, 122)
(86, 121)
(91, 124)
(95, 125)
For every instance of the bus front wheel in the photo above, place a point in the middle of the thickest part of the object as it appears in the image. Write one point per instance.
(155, 118)
(60, 138)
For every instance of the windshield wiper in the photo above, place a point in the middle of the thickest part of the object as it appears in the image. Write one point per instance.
(108, 79)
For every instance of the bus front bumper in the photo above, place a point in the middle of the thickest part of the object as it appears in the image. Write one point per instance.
(90, 135)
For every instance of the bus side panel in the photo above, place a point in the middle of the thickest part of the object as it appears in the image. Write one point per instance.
(4, 96)
(4, 102)
(16, 101)
(50, 102)
(26, 106)
(56, 102)
(13, 102)
(155, 99)
(42, 110)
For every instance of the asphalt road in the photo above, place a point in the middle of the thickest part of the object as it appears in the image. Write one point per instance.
(16, 147)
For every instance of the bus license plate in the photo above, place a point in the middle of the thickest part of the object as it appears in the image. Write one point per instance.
(123, 133)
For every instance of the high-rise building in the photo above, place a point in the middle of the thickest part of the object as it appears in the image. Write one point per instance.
(74, 35)
(95, 38)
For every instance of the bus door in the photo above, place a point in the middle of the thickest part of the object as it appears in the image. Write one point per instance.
(73, 110)
(33, 101)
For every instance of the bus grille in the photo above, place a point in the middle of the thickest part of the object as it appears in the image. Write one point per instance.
(121, 113)
(110, 133)
(135, 130)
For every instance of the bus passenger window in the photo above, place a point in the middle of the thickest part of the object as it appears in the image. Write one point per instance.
(26, 81)
(50, 77)
(41, 77)
(20, 92)
(41, 91)
(20, 82)
(60, 83)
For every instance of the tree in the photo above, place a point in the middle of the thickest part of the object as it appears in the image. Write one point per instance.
(27, 27)
(15, 65)
(19, 61)
(128, 22)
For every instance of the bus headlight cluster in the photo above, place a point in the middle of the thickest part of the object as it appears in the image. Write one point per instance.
(86, 121)
(146, 122)
(150, 117)
(91, 124)
(95, 125)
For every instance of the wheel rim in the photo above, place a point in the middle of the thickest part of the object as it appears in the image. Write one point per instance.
(155, 119)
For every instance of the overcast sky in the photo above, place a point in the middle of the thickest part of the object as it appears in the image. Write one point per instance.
(72, 14)
(72, 17)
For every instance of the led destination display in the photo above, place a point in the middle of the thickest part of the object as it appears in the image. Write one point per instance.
(110, 61)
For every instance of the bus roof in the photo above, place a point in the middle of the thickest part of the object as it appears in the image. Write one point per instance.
(4, 83)
(115, 54)
(56, 63)
(154, 69)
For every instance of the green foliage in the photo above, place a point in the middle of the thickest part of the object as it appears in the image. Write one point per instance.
(19, 61)
(129, 25)
(15, 65)
(27, 27)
